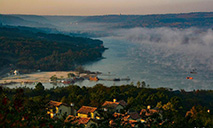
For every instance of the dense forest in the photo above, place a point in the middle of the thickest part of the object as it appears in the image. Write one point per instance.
(174, 104)
(29, 49)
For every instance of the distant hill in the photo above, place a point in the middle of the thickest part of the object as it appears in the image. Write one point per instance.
(29, 49)
(34, 18)
(60, 20)
(100, 26)
(183, 20)
(25, 20)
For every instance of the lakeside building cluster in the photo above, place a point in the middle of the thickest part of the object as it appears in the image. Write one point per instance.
(90, 116)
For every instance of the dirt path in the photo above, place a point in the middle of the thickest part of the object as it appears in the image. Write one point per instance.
(36, 77)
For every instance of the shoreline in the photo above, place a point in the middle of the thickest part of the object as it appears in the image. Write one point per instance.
(35, 77)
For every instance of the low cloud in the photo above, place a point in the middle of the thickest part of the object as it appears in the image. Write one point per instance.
(184, 48)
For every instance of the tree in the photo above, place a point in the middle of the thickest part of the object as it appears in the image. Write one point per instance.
(176, 101)
(130, 100)
(39, 87)
(138, 84)
(70, 75)
(80, 69)
(169, 106)
(148, 85)
(64, 99)
(21, 111)
(143, 84)
(159, 105)
(53, 78)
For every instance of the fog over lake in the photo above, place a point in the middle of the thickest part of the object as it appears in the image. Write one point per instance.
(162, 57)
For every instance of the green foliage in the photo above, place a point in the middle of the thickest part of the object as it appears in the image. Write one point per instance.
(39, 87)
(53, 78)
(80, 69)
(64, 99)
(159, 105)
(138, 84)
(174, 105)
(32, 51)
(143, 84)
(69, 75)
(21, 111)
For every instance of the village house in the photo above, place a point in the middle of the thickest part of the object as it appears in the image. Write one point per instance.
(125, 122)
(129, 118)
(16, 72)
(149, 111)
(132, 116)
(87, 111)
(85, 121)
(114, 106)
(58, 109)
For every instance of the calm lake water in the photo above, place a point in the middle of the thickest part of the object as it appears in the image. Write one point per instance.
(143, 62)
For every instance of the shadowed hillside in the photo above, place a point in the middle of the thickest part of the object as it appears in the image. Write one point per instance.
(28, 49)
(199, 19)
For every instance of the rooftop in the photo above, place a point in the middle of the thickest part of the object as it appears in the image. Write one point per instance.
(149, 112)
(110, 104)
(78, 120)
(86, 109)
(56, 103)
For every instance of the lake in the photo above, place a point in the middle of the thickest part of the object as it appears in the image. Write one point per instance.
(162, 57)
(141, 62)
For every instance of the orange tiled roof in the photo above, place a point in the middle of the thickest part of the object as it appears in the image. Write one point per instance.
(78, 120)
(126, 118)
(110, 104)
(148, 112)
(55, 103)
(69, 118)
(86, 109)
(82, 120)
(132, 115)
(118, 115)
(132, 122)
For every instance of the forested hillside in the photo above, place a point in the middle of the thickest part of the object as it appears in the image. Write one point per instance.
(30, 21)
(184, 20)
(29, 49)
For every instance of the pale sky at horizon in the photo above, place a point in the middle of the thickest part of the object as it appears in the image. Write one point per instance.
(103, 7)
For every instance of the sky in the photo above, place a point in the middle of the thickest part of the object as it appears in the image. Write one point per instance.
(103, 7)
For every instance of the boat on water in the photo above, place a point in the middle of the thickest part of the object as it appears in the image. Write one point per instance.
(194, 71)
(189, 78)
